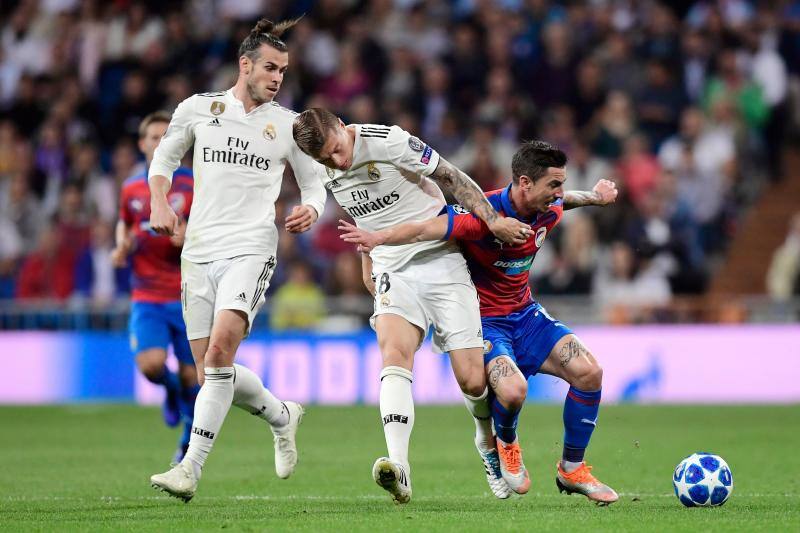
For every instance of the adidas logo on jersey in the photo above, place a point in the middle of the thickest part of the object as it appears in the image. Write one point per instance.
(215, 122)
(241, 298)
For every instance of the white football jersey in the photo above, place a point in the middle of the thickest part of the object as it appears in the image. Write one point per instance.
(239, 160)
(386, 185)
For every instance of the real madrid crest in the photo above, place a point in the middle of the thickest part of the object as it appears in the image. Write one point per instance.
(373, 172)
(385, 302)
(217, 108)
(269, 132)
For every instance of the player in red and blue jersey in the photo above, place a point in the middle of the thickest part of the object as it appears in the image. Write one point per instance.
(520, 338)
(156, 320)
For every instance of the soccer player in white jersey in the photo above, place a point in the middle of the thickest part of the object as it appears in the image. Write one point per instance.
(242, 143)
(381, 176)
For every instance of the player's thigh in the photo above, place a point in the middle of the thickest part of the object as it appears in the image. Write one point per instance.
(536, 335)
(573, 362)
(398, 339)
(198, 293)
(454, 311)
(151, 362)
(468, 370)
(399, 319)
(241, 286)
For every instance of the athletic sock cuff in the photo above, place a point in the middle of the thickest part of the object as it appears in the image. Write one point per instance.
(224, 373)
(482, 396)
(585, 397)
(397, 371)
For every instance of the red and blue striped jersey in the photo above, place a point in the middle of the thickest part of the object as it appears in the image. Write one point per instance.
(155, 262)
(500, 270)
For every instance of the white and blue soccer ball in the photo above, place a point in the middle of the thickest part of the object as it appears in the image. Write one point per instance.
(703, 480)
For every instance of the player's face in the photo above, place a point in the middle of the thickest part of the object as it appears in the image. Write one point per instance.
(540, 194)
(265, 75)
(152, 136)
(337, 152)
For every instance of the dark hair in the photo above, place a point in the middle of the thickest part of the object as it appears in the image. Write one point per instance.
(265, 32)
(534, 158)
(311, 127)
(152, 118)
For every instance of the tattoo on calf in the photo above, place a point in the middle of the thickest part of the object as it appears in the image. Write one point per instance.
(501, 369)
(570, 351)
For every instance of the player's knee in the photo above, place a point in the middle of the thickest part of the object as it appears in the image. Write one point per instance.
(474, 384)
(151, 367)
(590, 379)
(220, 351)
(513, 393)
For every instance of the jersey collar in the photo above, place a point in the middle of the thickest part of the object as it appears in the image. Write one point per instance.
(231, 98)
(508, 207)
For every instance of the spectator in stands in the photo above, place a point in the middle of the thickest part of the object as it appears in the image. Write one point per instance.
(299, 303)
(45, 274)
(21, 208)
(97, 282)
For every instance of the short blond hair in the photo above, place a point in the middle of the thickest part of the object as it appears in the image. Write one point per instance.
(153, 118)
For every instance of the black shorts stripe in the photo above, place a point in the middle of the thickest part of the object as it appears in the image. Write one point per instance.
(261, 278)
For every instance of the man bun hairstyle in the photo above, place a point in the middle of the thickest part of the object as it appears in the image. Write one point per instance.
(310, 129)
(265, 32)
(534, 158)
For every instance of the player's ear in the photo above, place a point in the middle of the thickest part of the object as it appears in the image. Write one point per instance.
(245, 64)
(341, 124)
(525, 181)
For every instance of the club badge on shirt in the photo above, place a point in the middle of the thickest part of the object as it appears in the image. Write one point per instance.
(269, 132)
(373, 172)
(217, 108)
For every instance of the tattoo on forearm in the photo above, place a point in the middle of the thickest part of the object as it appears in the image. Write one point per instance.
(570, 351)
(501, 369)
(574, 199)
(466, 191)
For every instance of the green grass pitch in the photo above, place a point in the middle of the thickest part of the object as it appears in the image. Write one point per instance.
(87, 468)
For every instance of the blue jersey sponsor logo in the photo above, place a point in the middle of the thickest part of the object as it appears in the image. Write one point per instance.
(515, 266)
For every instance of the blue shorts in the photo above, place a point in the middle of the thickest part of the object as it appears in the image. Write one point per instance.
(527, 337)
(156, 325)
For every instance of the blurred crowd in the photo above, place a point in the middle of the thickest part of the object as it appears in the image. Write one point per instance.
(686, 105)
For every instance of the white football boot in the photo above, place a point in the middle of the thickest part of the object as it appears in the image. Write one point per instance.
(179, 482)
(393, 478)
(491, 463)
(285, 444)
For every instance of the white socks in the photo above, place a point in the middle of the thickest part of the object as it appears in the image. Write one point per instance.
(397, 412)
(479, 408)
(249, 394)
(210, 409)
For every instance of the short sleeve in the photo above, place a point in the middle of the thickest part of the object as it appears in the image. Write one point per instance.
(463, 225)
(410, 153)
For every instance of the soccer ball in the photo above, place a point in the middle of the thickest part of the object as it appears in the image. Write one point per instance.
(702, 479)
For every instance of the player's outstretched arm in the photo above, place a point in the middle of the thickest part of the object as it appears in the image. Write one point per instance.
(603, 193)
(428, 230)
(471, 197)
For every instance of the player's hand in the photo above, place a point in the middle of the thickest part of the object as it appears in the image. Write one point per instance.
(365, 240)
(606, 191)
(177, 239)
(119, 256)
(301, 218)
(163, 219)
(510, 230)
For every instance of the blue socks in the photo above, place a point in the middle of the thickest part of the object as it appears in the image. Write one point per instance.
(505, 421)
(580, 418)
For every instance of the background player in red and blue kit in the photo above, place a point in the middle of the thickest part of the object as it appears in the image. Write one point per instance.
(520, 338)
(156, 320)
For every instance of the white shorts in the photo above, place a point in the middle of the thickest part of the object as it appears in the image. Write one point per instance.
(207, 288)
(452, 308)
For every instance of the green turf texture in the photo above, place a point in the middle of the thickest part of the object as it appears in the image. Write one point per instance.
(87, 468)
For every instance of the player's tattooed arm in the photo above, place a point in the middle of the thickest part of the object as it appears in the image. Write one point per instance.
(571, 350)
(406, 233)
(471, 197)
(603, 193)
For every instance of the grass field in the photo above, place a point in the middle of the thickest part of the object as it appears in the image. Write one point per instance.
(87, 468)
